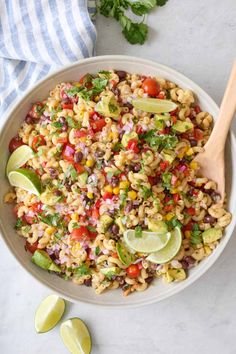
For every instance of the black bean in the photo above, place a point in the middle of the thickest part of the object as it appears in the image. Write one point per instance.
(57, 193)
(53, 172)
(64, 126)
(215, 196)
(78, 156)
(137, 167)
(120, 280)
(98, 153)
(149, 280)
(209, 219)
(122, 74)
(185, 264)
(29, 120)
(115, 229)
(88, 282)
(128, 105)
(114, 181)
(189, 259)
(193, 142)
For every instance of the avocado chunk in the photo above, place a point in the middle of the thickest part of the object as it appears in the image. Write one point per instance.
(105, 221)
(127, 137)
(109, 272)
(211, 235)
(41, 259)
(168, 155)
(49, 198)
(108, 106)
(157, 226)
(82, 178)
(55, 268)
(176, 274)
(159, 117)
(182, 127)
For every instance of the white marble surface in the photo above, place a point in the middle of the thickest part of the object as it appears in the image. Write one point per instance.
(197, 38)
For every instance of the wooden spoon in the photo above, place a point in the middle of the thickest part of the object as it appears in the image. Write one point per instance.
(211, 160)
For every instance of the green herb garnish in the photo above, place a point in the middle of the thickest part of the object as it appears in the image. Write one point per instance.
(196, 235)
(138, 231)
(97, 251)
(162, 141)
(166, 180)
(146, 192)
(18, 224)
(82, 270)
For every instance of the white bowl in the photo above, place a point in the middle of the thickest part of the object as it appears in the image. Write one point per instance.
(9, 127)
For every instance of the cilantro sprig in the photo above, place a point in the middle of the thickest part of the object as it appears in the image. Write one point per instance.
(98, 85)
(134, 32)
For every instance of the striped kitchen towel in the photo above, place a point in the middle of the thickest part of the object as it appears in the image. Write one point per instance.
(39, 36)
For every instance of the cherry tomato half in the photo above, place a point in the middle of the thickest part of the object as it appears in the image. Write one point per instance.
(133, 271)
(97, 125)
(80, 234)
(15, 143)
(32, 247)
(151, 87)
(38, 141)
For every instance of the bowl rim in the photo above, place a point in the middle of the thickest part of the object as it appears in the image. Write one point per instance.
(119, 59)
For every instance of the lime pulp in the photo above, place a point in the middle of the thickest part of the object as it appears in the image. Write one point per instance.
(25, 179)
(19, 157)
(154, 105)
(75, 336)
(149, 241)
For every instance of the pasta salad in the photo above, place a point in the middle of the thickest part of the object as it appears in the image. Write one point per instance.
(106, 191)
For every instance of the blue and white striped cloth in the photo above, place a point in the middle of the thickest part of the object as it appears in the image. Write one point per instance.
(39, 36)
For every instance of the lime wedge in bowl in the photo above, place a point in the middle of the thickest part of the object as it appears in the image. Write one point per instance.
(75, 336)
(49, 313)
(154, 105)
(170, 250)
(148, 242)
(25, 179)
(19, 157)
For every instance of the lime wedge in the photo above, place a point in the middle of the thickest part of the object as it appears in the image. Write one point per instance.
(19, 157)
(148, 242)
(25, 179)
(49, 313)
(75, 336)
(170, 250)
(154, 105)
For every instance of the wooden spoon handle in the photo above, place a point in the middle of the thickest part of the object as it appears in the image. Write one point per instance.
(226, 114)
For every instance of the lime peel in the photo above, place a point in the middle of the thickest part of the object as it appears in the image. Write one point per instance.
(148, 243)
(49, 313)
(170, 250)
(76, 336)
(154, 105)
(25, 179)
(19, 157)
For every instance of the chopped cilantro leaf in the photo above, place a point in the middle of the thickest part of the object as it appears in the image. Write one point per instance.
(138, 231)
(82, 270)
(166, 180)
(97, 251)
(162, 141)
(91, 228)
(146, 192)
(196, 235)
(18, 223)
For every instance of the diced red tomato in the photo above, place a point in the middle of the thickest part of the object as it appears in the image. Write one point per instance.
(139, 129)
(97, 125)
(188, 226)
(176, 197)
(133, 271)
(191, 211)
(67, 105)
(198, 134)
(68, 153)
(38, 141)
(81, 233)
(197, 109)
(151, 87)
(107, 195)
(174, 112)
(95, 213)
(98, 203)
(31, 247)
(167, 198)
(163, 165)
(133, 145)
(92, 235)
(174, 180)
(114, 255)
(152, 180)
(15, 143)
(173, 119)
(165, 131)
(161, 96)
(168, 207)
(34, 112)
(81, 133)
(36, 207)
(79, 168)
(28, 218)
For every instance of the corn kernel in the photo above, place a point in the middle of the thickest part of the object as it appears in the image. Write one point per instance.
(193, 165)
(75, 217)
(77, 84)
(182, 153)
(76, 248)
(50, 230)
(90, 195)
(169, 216)
(108, 189)
(124, 184)
(83, 162)
(187, 234)
(116, 190)
(89, 163)
(207, 250)
(132, 195)
(83, 139)
(174, 191)
(189, 152)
